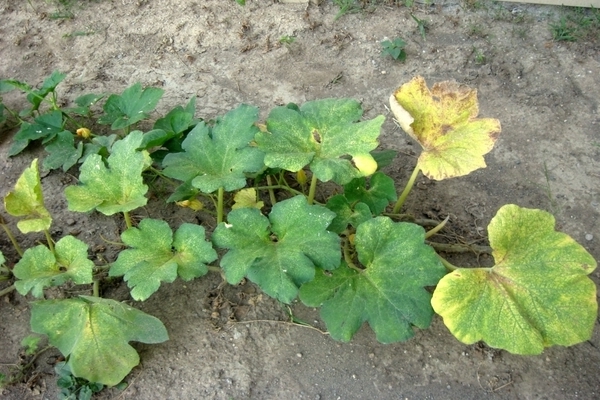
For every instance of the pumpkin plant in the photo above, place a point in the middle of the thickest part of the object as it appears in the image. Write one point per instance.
(346, 250)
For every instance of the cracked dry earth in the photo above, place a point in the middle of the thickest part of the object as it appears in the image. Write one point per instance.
(236, 343)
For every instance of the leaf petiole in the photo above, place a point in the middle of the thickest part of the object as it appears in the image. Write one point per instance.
(127, 217)
(49, 240)
(220, 192)
(12, 239)
(406, 190)
(312, 190)
(437, 228)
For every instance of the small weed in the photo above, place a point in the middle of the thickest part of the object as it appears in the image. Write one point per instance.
(346, 7)
(474, 4)
(575, 24)
(78, 33)
(31, 344)
(476, 30)
(563, 31)
(395, 49)
(520, 32)
(287, 40)
(480, 58)
(422, 25)
(72, 388)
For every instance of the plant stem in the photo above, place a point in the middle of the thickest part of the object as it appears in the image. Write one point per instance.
(438, 228)
(12, 239)
(127, 219)
(271, 193)
(49, 240)
(7, 290)
(460, 248)
(96, 288)
(447, 264)
(406, 190)
(212, 268)
(348, 257)
(313, 189)
(220, 192)
(289, 189)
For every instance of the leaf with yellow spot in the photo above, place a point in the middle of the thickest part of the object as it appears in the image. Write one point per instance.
(444, 122)
(537, 295)
(27, 201)
(94, 335)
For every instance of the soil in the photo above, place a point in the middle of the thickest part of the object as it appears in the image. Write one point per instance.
(236, 343)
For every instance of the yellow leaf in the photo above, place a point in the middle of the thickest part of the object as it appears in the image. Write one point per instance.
(246, 198)
(444, 122)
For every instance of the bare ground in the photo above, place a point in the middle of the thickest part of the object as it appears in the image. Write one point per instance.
(236, 343)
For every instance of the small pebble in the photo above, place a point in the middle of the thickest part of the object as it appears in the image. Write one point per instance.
(589, 237)
(70, 221)
(299, 355)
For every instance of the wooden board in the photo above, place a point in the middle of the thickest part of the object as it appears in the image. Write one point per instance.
(568, 3)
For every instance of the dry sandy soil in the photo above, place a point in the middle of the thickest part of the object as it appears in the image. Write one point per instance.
(545, 93)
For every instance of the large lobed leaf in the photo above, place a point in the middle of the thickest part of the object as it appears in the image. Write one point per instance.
(116, 188)
(94, 335)
(324, 134)
(444, 123)
(27, 200)
(40, 268)
(132, 106)
(537, 295)
(219, 156)
(389, 293)
(156, 256)
(280, 252)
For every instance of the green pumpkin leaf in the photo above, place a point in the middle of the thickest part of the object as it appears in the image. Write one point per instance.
(383, 158)
(537, 295)
(101, 145)
(132, 106)
(280, 252)
(218, 156)
(381, 191)
(83, 104)
(389, 293)
(178, 120)
(116, 188)
(94, 335)
(444, 123)
(36, 96)
(27, 201)
(156, 256)
(45, 127)
(347, 214)
(324, 134)
(40, 268)
(62, 152)
(2, 116)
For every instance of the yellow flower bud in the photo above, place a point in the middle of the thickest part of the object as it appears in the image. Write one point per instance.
(301, 177)
(84, 133)
(194, 204)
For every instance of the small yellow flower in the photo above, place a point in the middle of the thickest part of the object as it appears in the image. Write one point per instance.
(84, 133)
